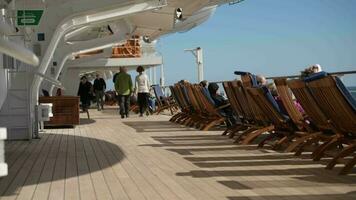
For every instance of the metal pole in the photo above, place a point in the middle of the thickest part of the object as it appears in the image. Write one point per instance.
(162, 75)
(154, 81)
(199, 53)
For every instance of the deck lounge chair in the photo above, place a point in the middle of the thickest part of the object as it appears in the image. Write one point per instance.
(163, 102)
(340, 107)
(282, 126)
(304, 129)
(236, 107)
(180, 104)
(316, 117)
(260, 123)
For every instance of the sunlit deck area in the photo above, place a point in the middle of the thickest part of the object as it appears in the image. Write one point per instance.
(151, 158)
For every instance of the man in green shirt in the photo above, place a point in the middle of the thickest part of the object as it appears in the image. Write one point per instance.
(123, 87)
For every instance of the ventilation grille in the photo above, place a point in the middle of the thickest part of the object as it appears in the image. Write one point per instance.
(8, 62)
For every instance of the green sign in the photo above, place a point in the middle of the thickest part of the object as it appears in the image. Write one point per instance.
(29, 17)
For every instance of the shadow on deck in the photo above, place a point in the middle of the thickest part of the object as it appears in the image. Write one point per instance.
(55, 157)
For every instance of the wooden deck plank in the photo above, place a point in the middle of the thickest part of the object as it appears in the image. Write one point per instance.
(44, 185)
(25, 168)
(86, 187)
(58, 180)
(71, 180)
(128, 184)
(206, 185)
(149, 158)
(31, 182)
(111, 180)
(17, 165)
(143, 169)
(100, 186)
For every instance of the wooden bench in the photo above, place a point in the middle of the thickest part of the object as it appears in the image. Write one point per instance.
(65, 110)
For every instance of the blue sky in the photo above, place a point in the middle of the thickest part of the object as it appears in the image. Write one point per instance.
(269, 37)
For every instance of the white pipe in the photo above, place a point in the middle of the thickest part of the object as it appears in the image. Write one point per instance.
(51, 80)
(17, 51)
(84, 47)
(5, 28)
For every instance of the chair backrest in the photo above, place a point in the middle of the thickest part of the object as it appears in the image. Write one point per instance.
(159, 94)
(232, 98)
(208, 105)
(310, 106)
(335, 101)
(288, 102)
(242, 99)
(257, 114)
(176, 97)
(179, 94)
(262, 97)
(192, 99)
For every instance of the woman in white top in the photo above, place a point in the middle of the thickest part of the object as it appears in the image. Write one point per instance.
(142, 89)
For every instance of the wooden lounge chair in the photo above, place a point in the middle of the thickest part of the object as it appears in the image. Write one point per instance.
(316, 117)
(304, 129)
(163, 102)
(212, 115)
(180, 104)
(229, 87)
(259, 122)
(340, 107)
(282, 124)
(186, 110)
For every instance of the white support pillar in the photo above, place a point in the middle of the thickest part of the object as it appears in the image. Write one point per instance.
(150, 75)
(198, 54)
(154, 81)
(162, 83)
(3, 165)
(200, 64)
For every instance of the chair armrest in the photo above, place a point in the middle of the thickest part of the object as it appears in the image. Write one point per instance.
(222, 107)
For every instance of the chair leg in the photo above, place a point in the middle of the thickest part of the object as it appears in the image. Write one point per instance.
(240, 128)
(319, 152)
(263, 142)
(344, 153)
(348, 167)
(246, 132)
(280, 142)
(211, 124)
(300, 141)
(88, 114)
(255, 134)
(308, 142)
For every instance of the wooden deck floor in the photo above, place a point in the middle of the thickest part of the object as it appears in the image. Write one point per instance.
(151, 158)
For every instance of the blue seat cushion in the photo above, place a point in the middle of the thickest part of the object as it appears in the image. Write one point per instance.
(158, 91)
(346, 93)
(254, 81)
(315, 76)
(273, 102)
(241, 73)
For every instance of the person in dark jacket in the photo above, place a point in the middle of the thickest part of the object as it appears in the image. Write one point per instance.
(219, 101)
(85, 92)
(99, 90)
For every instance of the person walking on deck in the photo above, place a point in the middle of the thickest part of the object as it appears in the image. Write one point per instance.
(85, 92)
(142, 89)
(123, 87)
(99, 90)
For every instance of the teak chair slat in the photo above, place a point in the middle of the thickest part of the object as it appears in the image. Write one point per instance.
(340, 109)
(295, 115)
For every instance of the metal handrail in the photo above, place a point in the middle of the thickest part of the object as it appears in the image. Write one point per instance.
(294, 76)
